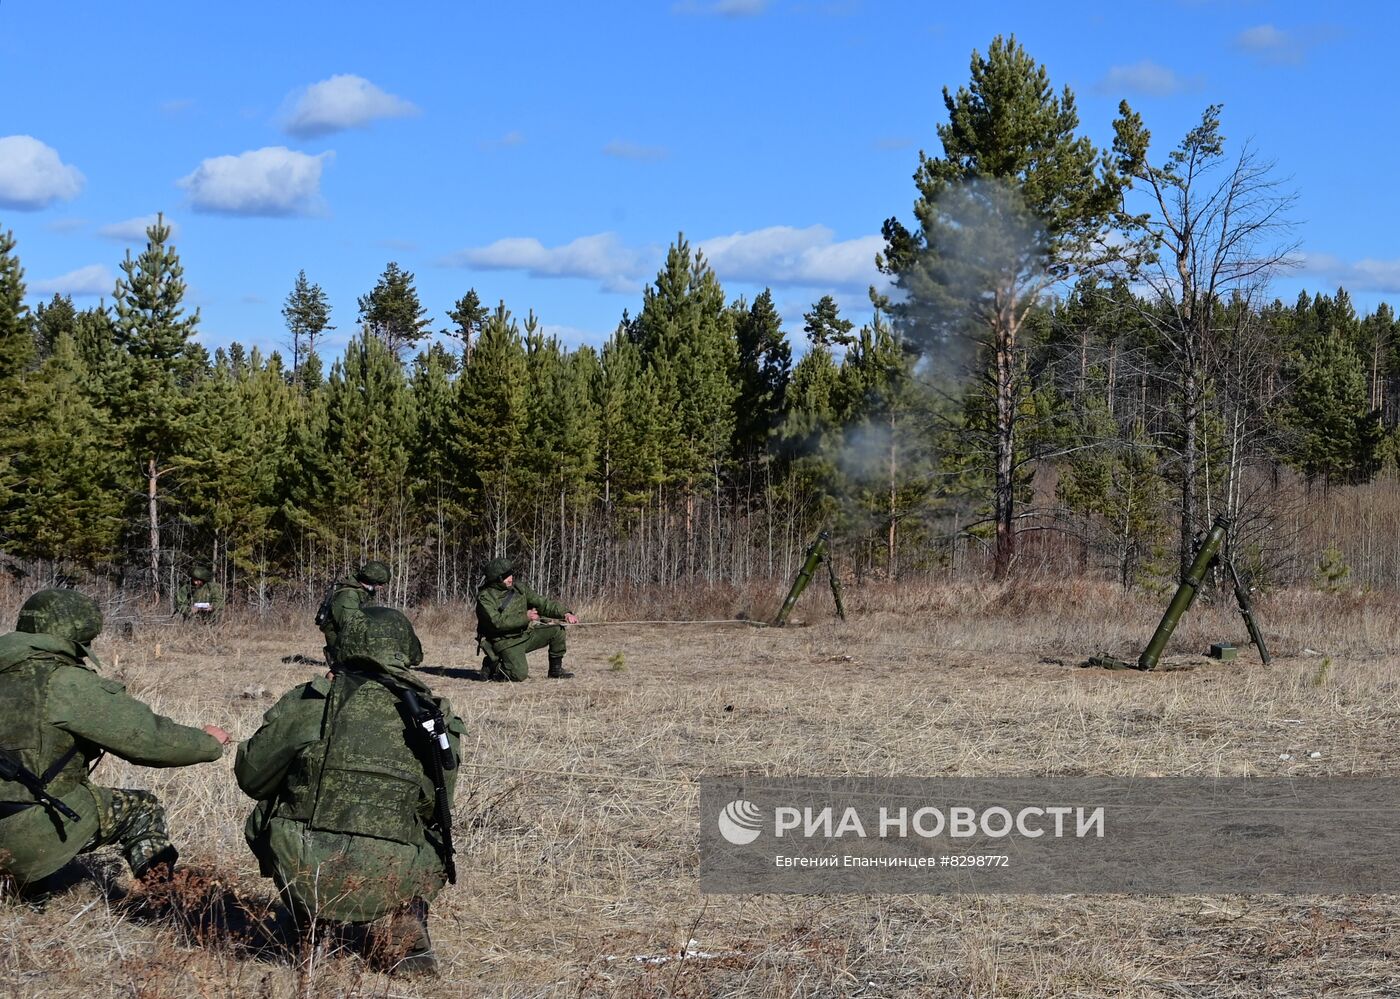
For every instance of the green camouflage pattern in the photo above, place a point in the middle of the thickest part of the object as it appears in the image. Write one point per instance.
(378, 637)
(54, 707)
(63, 613)
(498, 569)
(504, 625)
(373, 573)
(202, 572)
(341, 778)
(348, 596)
(196, 592)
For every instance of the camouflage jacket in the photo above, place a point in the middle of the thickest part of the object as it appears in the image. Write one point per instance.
(345, 800)
(54, 708)
(501, 613)
(187, 595)
(347, 596)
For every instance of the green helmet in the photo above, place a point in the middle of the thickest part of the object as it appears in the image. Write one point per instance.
(498, 569)
(202, 572)
(65, 613)
(378, 636)
(373, 574)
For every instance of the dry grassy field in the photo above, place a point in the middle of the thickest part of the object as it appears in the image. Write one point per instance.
(577, 824)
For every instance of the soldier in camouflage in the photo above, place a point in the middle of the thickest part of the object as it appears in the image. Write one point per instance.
(200, 597)
(505, 611)
(346, 597)
(58, 716)
(345, 817)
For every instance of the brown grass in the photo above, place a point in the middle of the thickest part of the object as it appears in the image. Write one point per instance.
(577, 823)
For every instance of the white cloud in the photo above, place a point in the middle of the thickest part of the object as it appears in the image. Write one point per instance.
(723, 8)
(1367, 274)
(1274, 45)
(601, 258)
(273, 181)
(776, 256)
(66, 225)
(32, 176)
(1144, 77)
(574, 336)
(341, 102)
(177, 106)
(508, 141)
(95, 279)
(633, 151)
(134, 230)
(785, 255)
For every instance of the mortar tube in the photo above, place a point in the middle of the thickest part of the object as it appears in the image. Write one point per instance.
(1185, 593)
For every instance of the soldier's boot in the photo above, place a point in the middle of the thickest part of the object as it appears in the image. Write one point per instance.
(408, 947)
(557, 670)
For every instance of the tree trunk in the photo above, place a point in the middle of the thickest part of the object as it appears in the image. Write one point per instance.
(1005, 499)
(153, 512)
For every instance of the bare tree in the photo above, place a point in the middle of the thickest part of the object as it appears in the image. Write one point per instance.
(1220, 227)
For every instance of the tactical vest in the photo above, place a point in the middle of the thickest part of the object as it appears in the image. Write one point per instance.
(26, 663)
(366, 775)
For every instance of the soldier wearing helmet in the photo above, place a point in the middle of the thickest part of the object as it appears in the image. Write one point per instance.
(200, 597)
(346, 597)
(346, 823)
(57, 718)
(505, 611)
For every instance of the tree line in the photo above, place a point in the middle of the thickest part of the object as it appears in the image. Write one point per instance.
(1075, 364)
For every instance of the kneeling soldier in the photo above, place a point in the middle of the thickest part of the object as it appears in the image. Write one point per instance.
(57, 717)
(201, 597)
(505, 610)
(354, 775)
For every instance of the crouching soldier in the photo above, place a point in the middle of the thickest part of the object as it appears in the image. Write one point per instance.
(201, 597)
(345, 598)
(505, 610)
(354, 776)
(57, 718)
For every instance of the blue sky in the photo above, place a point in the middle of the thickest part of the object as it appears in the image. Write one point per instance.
(546, 153)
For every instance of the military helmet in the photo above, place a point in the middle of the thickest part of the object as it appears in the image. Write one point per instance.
(379, 636)
(373, 573)
(202, 572)
(498, 569)
(65, 613)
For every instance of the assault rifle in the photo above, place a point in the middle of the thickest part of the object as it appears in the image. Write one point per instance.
(428, 717)
(12, 769)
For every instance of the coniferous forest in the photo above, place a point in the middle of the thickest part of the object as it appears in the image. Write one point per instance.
(1077, 362)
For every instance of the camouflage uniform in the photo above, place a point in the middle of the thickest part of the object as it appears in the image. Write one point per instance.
(58, 716)
(200, 589)
(349, 596)
(504, 628)
(344, 821)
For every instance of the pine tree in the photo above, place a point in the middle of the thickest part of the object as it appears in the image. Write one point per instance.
(468, 315)
(16, 338)
(1335, 432)
(152, 328)
(488, 427)
(307, 311)
(765, 365)
(65, 505)
(1016, 203)
(392, 313)
(52, 320)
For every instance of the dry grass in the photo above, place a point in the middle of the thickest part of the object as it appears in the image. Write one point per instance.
(577, 823)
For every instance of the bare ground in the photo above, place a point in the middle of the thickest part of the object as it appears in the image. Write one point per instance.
(577, 824)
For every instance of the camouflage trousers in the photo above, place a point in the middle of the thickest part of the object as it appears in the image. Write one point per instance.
(133, 820)
(510, 655)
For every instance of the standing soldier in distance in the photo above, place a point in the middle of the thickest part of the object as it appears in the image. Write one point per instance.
(200, 597)
(505, 610)
(346, 782)
(346, 597)
(57, 718)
